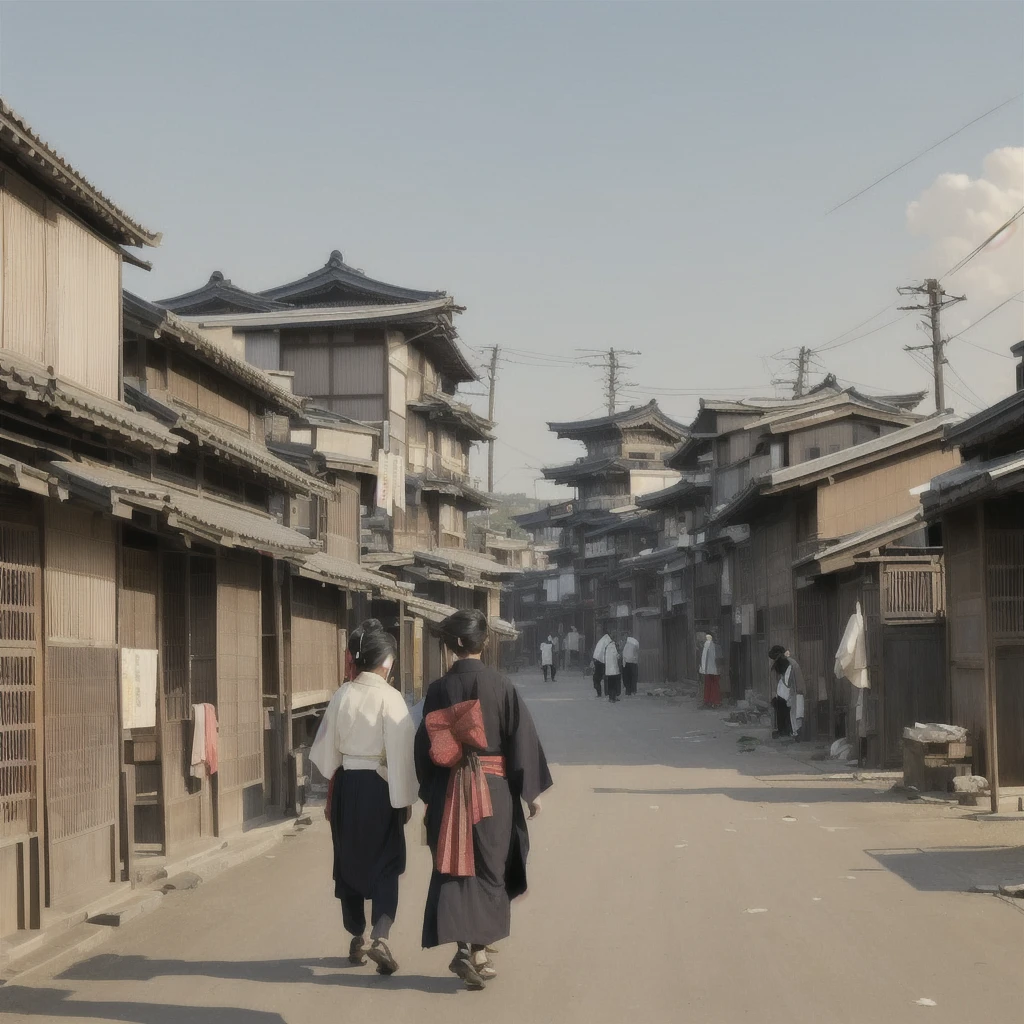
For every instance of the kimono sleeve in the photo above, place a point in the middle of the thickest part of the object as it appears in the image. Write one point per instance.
(525, 764)
(324, 752)
(399, 734)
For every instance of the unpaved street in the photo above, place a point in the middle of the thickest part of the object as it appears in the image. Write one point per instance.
(673, 879)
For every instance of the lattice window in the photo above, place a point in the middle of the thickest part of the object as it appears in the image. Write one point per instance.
(1006, 582)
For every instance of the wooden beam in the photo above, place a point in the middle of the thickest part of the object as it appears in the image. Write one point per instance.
(990, 690)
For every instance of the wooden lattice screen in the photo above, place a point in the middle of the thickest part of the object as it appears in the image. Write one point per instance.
(20, 712)
(316, 666)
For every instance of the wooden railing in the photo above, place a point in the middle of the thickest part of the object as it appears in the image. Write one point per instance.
(913, 592)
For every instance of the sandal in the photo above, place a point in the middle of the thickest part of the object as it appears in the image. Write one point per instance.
(463, 967)
(484, 967)
(381, 955)
(357, 950)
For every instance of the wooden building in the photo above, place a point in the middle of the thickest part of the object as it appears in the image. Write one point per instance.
(820, 534)
(980, 507)
(384, 356)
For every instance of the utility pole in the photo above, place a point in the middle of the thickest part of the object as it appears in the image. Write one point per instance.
(492, 377)
(803, 362)
(613, 380)
(937, 301)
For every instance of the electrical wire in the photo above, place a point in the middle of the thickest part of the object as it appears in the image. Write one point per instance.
(832, 346)
(956, 268)
(924, 152)
(995, 309)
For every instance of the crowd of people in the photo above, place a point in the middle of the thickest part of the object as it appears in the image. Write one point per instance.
(473, 758)
(615, 662)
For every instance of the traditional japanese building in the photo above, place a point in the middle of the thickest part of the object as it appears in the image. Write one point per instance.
(980, 508)
(387, 357)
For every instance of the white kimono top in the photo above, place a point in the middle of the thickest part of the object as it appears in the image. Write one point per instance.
(611, 659)
(602, 647)
(368, 726)
(631, 651)
(709, 659)
(545, 653)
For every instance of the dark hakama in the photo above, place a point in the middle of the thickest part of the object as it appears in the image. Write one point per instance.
(369, 848)
(477, 909)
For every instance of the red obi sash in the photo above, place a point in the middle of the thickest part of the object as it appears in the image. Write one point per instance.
(456, 734)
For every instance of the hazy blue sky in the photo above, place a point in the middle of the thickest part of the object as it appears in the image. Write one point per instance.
(650, 176)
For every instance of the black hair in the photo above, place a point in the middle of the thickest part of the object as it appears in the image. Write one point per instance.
(776, 652)
(465, 631)
(371, 645)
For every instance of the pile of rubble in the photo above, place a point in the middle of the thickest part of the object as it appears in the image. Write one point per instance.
(752, 710)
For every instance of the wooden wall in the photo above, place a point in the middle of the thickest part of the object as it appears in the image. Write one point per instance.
(342, 538)
(863, 499)
(318, 661)
(61, 301)
(82, 721)
(239, 698)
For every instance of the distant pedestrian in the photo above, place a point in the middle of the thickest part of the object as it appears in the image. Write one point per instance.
(556, 653)
(365, 747)
(547, 664)
(612, 672)
(574, 644)
(600, 650)
(479, 760)
(630, 665)
(709, 672)
(788, 701)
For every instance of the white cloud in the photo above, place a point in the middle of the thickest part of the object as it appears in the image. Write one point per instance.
(957, 213)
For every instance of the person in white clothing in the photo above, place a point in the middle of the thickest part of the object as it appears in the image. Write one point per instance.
(599, 658)
(364, 746)
(573, 644)
(630, 665)
(547, 659)
(612, 672)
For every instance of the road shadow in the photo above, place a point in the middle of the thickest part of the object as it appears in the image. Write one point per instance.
(56, 1004)
(309, 971)
(771, 794)
(954, 869)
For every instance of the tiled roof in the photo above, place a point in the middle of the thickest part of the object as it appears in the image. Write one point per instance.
(629, 417)
(28, 478)
(218, 522)
(336, 281)
(974, 480)
(459, 559)
(439, 406)
(240, 449)
(167, 324)
(219, 295)
(840, 553)
(21, 140)
(34, 383)
(350, 574)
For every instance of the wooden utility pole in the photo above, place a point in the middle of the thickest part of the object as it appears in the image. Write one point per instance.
(803, 363)
(937, 301)
(492, 377)
(613, 380)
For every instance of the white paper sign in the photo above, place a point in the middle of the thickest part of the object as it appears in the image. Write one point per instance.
(138, 688)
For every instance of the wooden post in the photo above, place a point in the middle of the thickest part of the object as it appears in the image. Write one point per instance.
(990, 690)
(283, 673)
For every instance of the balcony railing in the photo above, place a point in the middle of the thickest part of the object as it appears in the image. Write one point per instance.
(913, 592)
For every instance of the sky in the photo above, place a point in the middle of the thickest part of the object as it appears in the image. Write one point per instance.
(650, 177)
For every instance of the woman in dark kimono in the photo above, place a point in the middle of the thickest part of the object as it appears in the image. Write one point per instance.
(478, 759)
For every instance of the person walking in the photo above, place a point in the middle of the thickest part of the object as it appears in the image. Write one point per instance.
(612, 672)
(478, 759)
(573, 643)
(600, 651)
(364, 746)
(630, 665)
(556, 654)
(547, 659)
(709, 672)
(788, 701)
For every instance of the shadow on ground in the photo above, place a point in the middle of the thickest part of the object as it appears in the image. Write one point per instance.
(954, 869)
(768, 794)
(53, 1004)
(309, 970)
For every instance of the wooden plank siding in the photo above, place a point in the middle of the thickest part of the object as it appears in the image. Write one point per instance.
(82, 708)
(240, 796)
(341, 539)
(317, 642)
(61, 294)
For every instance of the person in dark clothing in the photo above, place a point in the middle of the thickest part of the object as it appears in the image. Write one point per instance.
(781, 701)
(478, 759)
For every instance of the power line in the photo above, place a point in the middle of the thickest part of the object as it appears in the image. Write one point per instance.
(995, 309)
(831, 346)
(938, 300)
(974, 252)
(924, 152)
